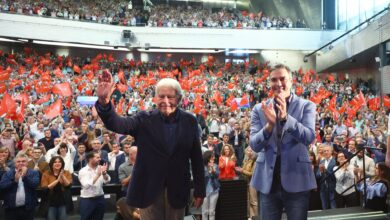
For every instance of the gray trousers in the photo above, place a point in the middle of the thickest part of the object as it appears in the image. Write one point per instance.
(161, 210)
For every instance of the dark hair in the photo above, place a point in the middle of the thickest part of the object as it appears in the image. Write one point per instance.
(280, 66)
(206, 156)
(53, 159)
(90, 155)
(62, 145)
(314, 162)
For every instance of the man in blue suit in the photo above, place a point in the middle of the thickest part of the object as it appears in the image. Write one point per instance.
(167, 140)
(281, 130)
(327, 178)
(18, 188)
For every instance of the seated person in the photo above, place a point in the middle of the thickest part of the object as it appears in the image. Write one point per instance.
(377, 188)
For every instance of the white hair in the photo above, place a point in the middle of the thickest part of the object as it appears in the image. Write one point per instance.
(170, 83)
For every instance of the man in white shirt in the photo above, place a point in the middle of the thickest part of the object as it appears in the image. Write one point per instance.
(92, 177)
(357, 163)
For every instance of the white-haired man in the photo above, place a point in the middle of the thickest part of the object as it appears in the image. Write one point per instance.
(167, 139)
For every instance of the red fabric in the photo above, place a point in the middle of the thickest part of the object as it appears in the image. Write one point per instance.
(44, 99)
(54, 109)
(244, 100)
(226, 168)
(386, 101)
(62, 89)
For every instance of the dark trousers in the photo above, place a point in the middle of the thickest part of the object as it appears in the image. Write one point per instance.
(271, 205)
(19, 213)
(92, 208)
(350, 200)
(239, 152)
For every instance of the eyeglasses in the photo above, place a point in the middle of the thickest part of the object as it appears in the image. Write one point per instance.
(276, 79)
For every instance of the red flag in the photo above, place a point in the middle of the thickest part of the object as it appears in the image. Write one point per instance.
(76, 69)
(231, 85)
(386, 101)
(217, 97)
(20, 116)
(68, 102)
(121, 87)
(62, 89)
(57, 72)
(299, 91)
(8, 105)
(244, 100)
(233, 106)
(374, 103)
(4, 75)
(3, 88)
(332, 104)
(121, 76)
(44, 99)
(331, 78)
(54, 109)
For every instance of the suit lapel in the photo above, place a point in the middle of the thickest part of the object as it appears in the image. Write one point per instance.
(291, 109)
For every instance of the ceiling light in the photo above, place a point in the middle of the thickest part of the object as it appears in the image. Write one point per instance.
(166, 50)
(80, 45)
(243, 51)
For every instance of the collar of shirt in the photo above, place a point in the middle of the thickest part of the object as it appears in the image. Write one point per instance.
(171, 119)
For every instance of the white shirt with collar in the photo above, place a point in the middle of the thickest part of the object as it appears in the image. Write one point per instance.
(88, 189)
(20, 199)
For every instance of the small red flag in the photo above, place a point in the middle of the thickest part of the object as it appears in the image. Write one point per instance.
(54, 109)
(62, 89)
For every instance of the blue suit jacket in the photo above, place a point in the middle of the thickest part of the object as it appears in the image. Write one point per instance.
(121, 158)
(297, 133)
(327, 184)
(8, 187)
(156, 169)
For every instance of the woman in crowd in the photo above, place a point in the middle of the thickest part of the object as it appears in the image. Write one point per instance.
(227, 163)
(67, 151)
(315, 199)
(3, 163)
(212, 186)
(377, 188)
(247, 171)
(344, 180)
(57, 181)
(8, 158)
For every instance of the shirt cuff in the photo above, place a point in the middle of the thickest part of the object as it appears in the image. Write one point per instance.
(266, 134)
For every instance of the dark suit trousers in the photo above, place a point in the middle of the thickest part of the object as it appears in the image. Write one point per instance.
(350, 200)
(19, 213)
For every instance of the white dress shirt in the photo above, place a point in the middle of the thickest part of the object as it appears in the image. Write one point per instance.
(88, 189)
(20, 199)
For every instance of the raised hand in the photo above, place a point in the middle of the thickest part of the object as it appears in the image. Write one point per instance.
(106, 87)
(104, 167)
(281, 105)
(269, 113)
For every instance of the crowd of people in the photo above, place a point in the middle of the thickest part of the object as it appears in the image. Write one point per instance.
(123, 13)
(47, 133)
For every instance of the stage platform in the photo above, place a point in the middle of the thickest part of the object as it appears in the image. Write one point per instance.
(354, 213)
